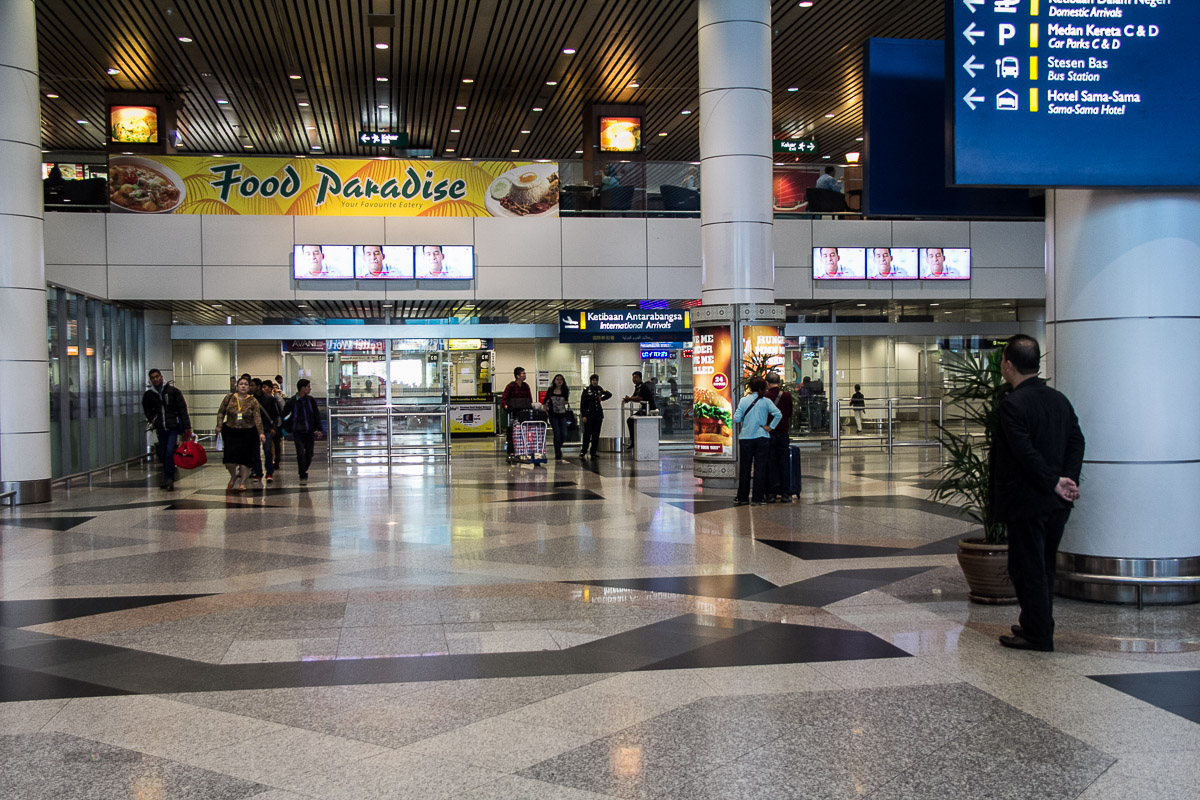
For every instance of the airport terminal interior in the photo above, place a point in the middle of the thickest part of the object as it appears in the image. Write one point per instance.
(436, 610)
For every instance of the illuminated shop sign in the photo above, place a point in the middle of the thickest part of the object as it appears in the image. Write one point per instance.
(624, 325)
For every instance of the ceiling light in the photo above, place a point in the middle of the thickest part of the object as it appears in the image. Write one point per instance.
(686, 111)
(381, 46)
(826, 156)
(303, 105)
(455, 130)
(52, 96)
(294, 77)
(853, 157)
(185, 39)
(568, 51)
(830, 116)
(793, 88)
(806, 3)
(935, 304)
(524, 131)
(316, 147)
(381, 158)
(127, 153)
(382, 79)
(862, 305)
(468, 80)
(552, 83)
(460, 108)
(859, 139)
(301, 156)
(662, 133)
(465, 158)
(222, 102)
(578, 152)
(310, 127)
(537, 108)
(114, 71)
(82, 121)
(633, 84)
(301, 305)
(217, 155)
(248, 146)
(514, 151)
(449, 149)
(382, 105)
(217, 305)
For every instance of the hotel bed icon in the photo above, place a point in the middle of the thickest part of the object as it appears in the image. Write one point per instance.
(1008, 101)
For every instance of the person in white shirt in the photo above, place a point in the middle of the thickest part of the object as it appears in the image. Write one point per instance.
(829, 181)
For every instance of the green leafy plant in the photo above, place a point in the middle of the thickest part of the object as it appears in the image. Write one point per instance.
(976, 387)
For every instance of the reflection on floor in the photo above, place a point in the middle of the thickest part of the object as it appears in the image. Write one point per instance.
(606, 629)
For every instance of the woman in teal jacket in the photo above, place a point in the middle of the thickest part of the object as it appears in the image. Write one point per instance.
(758, 417)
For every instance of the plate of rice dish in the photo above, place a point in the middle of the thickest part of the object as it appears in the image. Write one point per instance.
(526, 191)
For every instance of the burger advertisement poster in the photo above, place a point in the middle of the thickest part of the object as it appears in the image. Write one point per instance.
(763, 350)
(712, 407)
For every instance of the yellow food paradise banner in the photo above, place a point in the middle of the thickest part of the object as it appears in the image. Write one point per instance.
(332, 187)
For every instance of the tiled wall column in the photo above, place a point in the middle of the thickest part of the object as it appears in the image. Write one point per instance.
(735, 151)
(1122, 328)
(24, 376)
(615, 364)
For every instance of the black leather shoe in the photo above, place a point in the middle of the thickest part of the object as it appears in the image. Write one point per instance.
(168, 487)
(1016, 629)
(1021, 643)
(741, 502)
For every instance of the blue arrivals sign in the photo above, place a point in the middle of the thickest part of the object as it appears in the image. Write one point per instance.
(624, 325)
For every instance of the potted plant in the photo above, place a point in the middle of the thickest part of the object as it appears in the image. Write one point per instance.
(976, 387)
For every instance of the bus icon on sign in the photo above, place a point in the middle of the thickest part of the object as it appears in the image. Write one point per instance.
(1008, 101)
(1008, 67)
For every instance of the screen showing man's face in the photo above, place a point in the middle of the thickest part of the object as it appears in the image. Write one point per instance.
(883, 261)
(937, 259)
(830, 258)
(373, 254)
(314, 258)
(433, 260)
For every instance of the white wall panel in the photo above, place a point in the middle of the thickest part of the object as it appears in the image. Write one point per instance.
(1008, 244)
(793, 283)
(132, 282)
(428, 290)
(518, 242)
(154, 239)
(1022, 284)
(235, 283)
(673, 283)
(75, 238)
(793, 244)
(430, 230)
(339, 230)
(620, 282)
(673, 243)
(851, 233)
(930, 233)
(247, 240)
(89, 279)
(23, 240)
(516, 283)
(604, 243)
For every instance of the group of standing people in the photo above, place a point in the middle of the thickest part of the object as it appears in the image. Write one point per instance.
(517, 401)
(252, 421)
(764, 457)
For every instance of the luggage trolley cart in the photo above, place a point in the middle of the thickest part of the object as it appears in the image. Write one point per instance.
(529, 441)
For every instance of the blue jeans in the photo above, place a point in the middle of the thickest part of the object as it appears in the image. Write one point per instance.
(268, 448)
(558, 424)
(168, 440)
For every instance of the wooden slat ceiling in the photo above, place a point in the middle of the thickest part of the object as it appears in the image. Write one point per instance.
(243, 52)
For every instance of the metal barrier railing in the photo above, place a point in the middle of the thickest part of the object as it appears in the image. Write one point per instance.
(67, 480)
(892, 418)
(371, 433)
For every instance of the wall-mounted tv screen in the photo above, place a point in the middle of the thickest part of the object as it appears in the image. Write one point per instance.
(133, 124)
(374, 261)
(839, 263)
(448, 262)
(621, 134)
(945, 263)
(892, 263)
(323, 262)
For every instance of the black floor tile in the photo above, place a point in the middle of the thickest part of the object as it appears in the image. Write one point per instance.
(21, 613)
(835, 586)
(208, 505)
(894, 501)
(821, 551)
(1177, 692)
(732, 587)
(942, 547)
(701, 506)
(568, 495)
(44, 523)
(19, 685)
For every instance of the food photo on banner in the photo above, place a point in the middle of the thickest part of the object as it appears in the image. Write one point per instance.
(712, 406)
(332, 187)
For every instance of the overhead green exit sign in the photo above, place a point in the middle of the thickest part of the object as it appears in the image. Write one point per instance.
(382, 139)
(800, 147)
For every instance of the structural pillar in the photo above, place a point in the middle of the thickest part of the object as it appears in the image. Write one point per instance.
(736, 216)
(615, 363)
(24, 376)
(1122, 324)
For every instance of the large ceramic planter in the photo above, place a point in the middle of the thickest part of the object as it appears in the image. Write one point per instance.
(985, 566)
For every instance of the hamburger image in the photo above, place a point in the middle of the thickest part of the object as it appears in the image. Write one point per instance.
(713, 418)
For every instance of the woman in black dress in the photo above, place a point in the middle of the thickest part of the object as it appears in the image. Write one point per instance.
(239, 423)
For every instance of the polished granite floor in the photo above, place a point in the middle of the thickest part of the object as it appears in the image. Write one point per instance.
(593, 630)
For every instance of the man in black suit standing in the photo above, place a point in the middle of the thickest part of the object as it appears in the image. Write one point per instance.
(1035, 462)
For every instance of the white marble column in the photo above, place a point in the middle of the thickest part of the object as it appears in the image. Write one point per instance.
(24, 424)
(615, 363)
(1122, 330)
(736, 216)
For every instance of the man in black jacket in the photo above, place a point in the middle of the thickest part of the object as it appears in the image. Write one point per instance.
(167, 415)
(302, 418)
(591, 414)
(1035, 463)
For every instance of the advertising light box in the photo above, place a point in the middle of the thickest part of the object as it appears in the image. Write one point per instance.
(323, 262)
(621, 134)
(1071, 93)
(624, 325)
(375, 262)
(443, 262)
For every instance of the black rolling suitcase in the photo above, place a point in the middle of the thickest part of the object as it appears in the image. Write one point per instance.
(794, 471)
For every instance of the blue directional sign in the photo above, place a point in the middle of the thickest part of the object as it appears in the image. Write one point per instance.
(1074, 92)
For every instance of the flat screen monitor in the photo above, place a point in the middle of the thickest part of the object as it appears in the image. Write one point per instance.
(133, 124)
(380, 262)
(621, 134)
(892, 263)
(445, 262)
(323, 262)
(839, 263)
(945, 263)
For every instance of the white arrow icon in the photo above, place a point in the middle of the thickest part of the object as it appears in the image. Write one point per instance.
(971, 4)
(972, 34)
(971, 98)
(972, 66)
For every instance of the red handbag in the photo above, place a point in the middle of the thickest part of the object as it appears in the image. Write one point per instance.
(190, 455)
